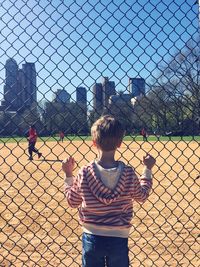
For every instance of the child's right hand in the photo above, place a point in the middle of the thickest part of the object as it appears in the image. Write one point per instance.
(68, 166)
(149, 161)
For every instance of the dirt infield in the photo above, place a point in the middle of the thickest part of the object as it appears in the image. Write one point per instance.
(38, 229)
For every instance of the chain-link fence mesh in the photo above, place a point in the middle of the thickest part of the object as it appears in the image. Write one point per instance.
(63, 64)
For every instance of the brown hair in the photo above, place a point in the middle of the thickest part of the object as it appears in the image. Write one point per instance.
(107, 132)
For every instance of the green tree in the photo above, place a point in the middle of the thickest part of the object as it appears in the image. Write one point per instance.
(68, 117)
(31, 116)
(183, 78)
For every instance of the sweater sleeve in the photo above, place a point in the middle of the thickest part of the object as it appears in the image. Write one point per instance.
(72, 191)
(142, 186)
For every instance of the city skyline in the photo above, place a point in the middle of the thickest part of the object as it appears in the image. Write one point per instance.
(126, 39)
(20, 89)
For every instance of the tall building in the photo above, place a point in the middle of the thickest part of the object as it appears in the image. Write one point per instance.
(81, 96)
(81, 100)
(98, 97)
(137, 87)
(28, 81)
(61, 96)
(10, 87)
(108, 90)
(20, 86)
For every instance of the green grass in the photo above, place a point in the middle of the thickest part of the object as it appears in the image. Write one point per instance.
(153, 138)
(138, 138)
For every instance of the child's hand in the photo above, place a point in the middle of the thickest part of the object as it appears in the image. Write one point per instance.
(149, 161)
(68, 166)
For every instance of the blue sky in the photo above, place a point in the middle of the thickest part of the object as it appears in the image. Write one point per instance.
(75, 43)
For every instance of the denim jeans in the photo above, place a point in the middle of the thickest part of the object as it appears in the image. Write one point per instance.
(103, 251)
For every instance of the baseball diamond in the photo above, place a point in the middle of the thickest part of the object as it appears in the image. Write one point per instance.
(38, 229)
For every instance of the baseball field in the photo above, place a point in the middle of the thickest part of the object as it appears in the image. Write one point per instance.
(37, 228)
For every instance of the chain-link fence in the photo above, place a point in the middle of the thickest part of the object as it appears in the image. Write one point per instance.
(63, 64)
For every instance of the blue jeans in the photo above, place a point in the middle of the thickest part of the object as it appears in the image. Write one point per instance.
(103, 251)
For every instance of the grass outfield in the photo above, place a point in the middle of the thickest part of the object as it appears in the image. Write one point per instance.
(151, 138)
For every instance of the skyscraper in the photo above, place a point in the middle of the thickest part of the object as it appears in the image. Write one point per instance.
(81, 96)
(10, 87)
(20, 86)
(137, 86)
(29, 83)
(98, 97)
(61, 96)
(108, 90)
(81, 100)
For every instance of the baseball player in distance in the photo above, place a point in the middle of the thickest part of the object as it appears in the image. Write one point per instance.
(32, 139)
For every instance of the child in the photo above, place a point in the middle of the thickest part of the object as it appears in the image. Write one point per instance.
(32, 138)
(103, 191)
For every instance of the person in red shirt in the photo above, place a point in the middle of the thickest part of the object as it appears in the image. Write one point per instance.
(32, 139)
(61, 135)
(144, 134)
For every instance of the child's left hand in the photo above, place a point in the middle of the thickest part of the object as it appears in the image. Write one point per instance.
(68, 166)
(149, 161)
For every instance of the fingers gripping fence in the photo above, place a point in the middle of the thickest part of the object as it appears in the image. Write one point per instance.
(63, 64)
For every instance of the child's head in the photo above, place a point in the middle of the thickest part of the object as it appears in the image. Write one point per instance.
(107, 133)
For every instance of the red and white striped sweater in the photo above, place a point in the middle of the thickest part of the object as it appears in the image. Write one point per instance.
(104, 211)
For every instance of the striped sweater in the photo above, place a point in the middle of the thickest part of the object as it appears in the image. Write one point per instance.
(102, 210)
